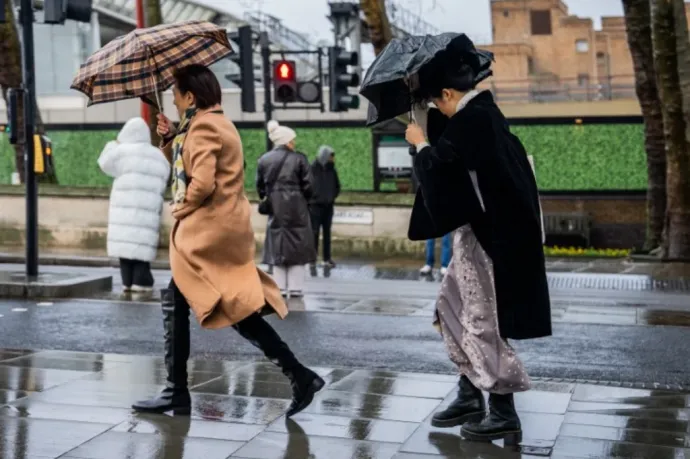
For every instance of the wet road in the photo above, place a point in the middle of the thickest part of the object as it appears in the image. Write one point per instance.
(619, 353)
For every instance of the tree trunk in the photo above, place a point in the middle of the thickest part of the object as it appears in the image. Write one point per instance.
(11, 77)
(639, 30)
(380, 29)
(668, 81)
(678, 168)
(153, 17)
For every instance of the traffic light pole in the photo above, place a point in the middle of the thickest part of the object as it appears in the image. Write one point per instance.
(28, 70)
(266, 64)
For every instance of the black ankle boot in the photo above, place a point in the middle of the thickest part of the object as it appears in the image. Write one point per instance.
(468, 407)
(175, 397)
(305, 383)
(502, 422)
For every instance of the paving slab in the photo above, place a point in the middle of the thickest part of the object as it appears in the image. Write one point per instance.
(238, 412)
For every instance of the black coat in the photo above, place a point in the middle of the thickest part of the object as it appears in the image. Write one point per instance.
(289, 239)
(326, 184)
(478, 138)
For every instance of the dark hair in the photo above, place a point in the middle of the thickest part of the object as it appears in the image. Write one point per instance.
(434, 78)
(201, 82)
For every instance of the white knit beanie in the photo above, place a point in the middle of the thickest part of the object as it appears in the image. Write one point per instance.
(280, 135)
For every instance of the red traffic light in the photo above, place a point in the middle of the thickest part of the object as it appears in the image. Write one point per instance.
(285, 70)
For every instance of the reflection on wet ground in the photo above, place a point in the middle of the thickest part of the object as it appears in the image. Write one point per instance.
(563, 309)
(69, 405)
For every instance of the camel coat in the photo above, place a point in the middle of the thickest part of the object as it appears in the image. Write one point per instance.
(212, 242)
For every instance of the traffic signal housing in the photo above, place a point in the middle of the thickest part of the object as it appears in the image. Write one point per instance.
(43, 155)
(284, 81)
(58, 11)
(340, 80)
(244, 59)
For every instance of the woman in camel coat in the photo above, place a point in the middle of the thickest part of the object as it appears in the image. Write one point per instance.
(212, 245)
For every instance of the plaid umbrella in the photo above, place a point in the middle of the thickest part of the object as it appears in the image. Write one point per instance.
(142, 62)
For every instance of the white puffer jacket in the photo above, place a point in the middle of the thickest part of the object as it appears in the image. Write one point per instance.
(141, 175)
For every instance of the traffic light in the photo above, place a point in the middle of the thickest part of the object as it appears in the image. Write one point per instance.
(340, 80)
(284, 81)
(13, 95)
(244, 59)
(43, 154)
(57, 11)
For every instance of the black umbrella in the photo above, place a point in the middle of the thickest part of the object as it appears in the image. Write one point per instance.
(386, 83)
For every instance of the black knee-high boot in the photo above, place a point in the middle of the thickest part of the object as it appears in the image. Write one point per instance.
(175, 397)
(467, 407)
(305, 383)
(502, 422)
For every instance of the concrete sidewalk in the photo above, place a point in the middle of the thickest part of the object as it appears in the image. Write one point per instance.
(609, 273)
(60, 404)
(576, 298)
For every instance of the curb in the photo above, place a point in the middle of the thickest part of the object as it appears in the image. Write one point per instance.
(66, 260)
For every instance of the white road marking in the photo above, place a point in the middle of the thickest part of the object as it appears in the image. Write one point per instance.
(19, 309)
(45, 303)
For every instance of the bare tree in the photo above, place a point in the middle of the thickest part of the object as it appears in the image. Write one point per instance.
(379, 25)
(666, 46)
(11, 77)
(678, 168)
(639, 29)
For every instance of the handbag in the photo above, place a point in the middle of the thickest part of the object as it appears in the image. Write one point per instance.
(265, 206)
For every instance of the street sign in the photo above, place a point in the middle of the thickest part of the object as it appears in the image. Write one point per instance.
(353, 217)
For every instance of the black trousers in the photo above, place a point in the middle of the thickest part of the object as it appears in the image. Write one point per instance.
(136, 272)
(322, 217)
(254, 329)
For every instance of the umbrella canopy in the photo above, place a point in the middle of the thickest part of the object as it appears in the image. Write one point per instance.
(386, 83)
(141, 63)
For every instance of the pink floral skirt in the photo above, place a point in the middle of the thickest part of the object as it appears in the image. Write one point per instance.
(467, 319)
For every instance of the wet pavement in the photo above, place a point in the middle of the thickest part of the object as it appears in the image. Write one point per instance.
(618, 274)
(615, 353)
(69, 405)
(597, 303)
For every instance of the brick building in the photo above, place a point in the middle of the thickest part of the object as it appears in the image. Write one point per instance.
(545, 54)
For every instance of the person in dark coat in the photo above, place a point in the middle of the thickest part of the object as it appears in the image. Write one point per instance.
(322, 203)
(477, 182)
(284, 177)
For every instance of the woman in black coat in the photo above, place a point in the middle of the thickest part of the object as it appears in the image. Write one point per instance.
(283, 177)
(476, 181)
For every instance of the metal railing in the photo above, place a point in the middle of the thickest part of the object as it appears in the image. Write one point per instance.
(285, 38)
(403, 21)
(563, 90)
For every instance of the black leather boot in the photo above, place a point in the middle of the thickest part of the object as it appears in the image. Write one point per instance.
(305, 383)
(175, 396)
(468, 407)
(502, 422)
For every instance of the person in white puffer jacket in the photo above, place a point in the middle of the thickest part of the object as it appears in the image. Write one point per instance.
(141, 175)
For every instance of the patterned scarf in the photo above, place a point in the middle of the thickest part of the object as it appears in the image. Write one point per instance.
(179, 176)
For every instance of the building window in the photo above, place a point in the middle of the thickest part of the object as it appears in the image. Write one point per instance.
(506, 13)
(583, 80)
(601, 58)
(530, 66)
(541, 22)
(582, 46)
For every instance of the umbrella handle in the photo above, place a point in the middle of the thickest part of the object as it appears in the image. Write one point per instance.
(153, 78)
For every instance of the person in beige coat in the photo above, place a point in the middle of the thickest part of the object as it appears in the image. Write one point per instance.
(212, 246)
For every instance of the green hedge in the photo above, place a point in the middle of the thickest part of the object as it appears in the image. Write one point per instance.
(591, 157)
